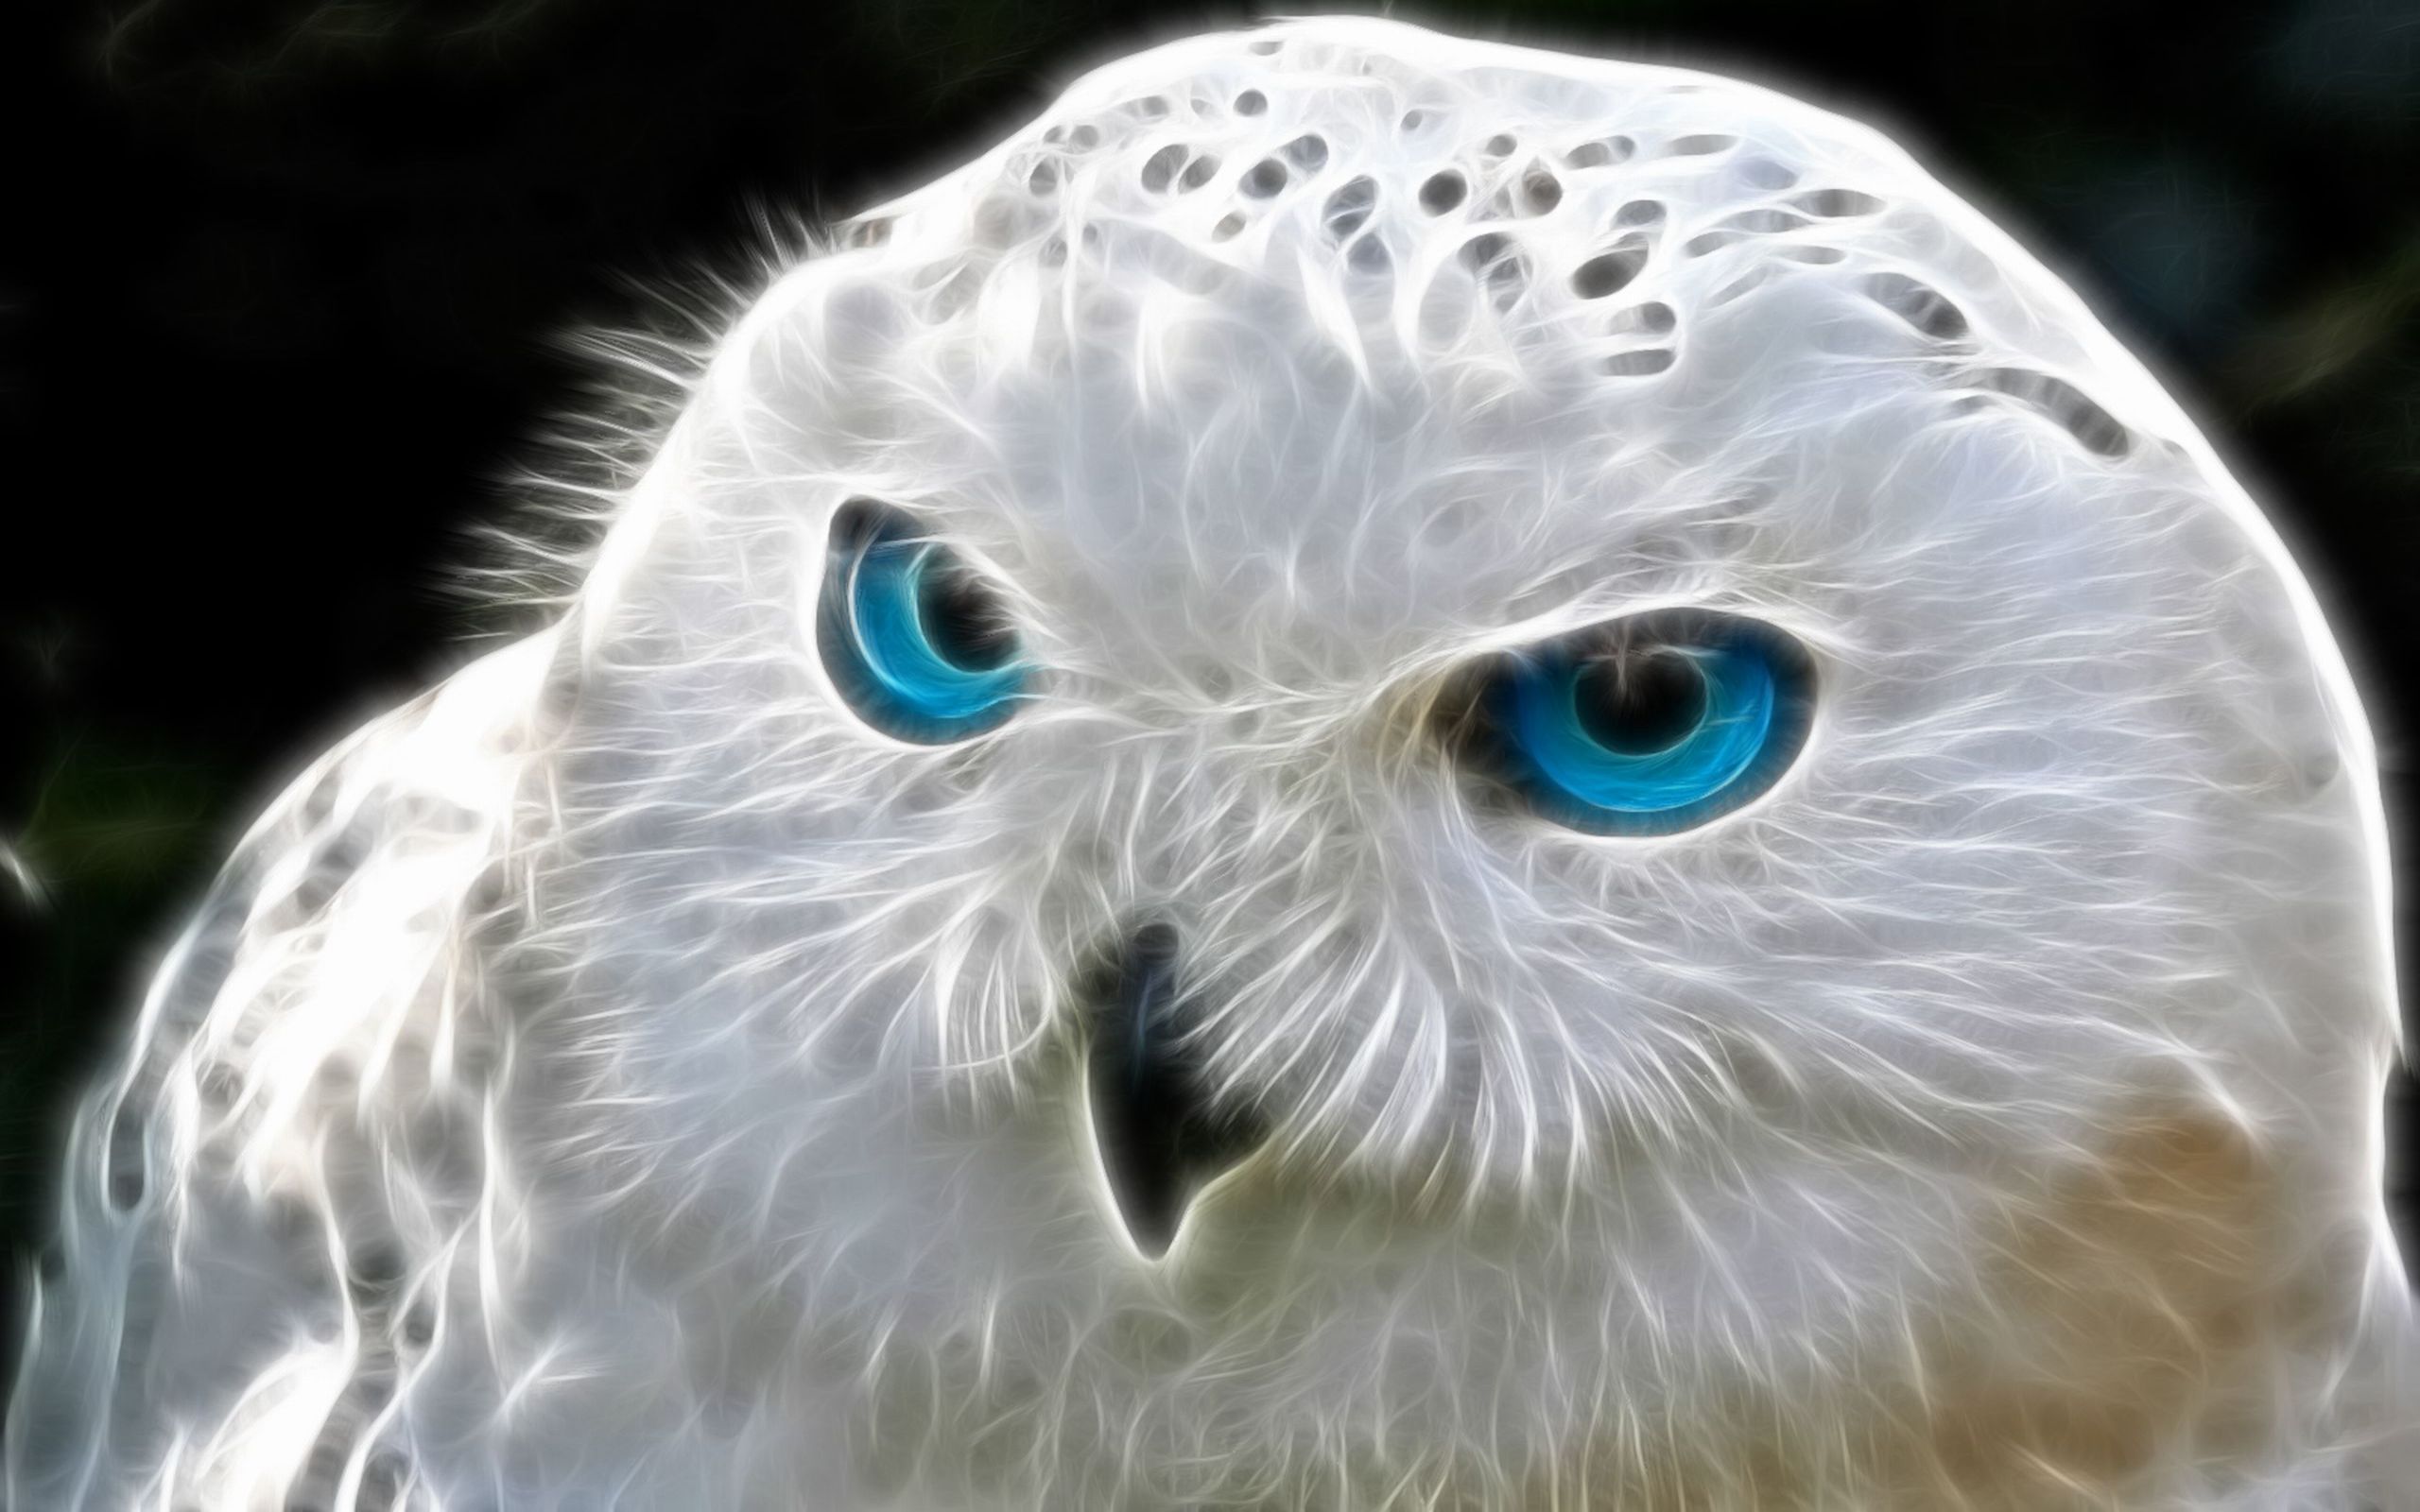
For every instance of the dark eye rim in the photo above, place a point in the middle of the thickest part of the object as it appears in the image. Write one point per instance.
(859, 527)
(1473, 731)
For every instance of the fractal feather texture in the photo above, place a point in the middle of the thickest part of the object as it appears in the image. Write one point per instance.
(1384, 772)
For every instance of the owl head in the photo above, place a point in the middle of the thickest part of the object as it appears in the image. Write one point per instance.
(1387, 771)
(1391, 762)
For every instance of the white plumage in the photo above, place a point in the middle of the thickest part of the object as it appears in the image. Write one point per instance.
(625, 1078)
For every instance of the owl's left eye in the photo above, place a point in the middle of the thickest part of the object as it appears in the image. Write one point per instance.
(1645, 726)
(911, 638)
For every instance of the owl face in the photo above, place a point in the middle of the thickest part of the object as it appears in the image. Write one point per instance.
(1387, 771)
(1431, 760)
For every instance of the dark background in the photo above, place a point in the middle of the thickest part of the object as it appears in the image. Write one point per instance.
(283, 290)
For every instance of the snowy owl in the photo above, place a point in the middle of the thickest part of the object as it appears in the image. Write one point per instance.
(1385, 772)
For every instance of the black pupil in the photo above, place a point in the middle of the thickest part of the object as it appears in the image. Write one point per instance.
(959, 621)
(1637, 703)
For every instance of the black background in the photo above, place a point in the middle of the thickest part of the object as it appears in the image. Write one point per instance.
(282, 287)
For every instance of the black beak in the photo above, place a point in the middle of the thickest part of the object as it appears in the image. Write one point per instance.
(1160, 1140)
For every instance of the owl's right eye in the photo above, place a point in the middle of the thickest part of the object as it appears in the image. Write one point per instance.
(1645, 726)
(913, 640)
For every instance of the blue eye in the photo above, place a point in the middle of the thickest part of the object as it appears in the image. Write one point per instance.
(1648, 726)
(909, 635)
